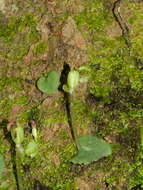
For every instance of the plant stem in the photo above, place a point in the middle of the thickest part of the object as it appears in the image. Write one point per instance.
(141, 135)
(18, 168)
(72, 120)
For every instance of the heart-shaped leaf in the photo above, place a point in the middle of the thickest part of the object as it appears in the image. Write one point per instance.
(91, 149)
(50, 83)
(1, 165)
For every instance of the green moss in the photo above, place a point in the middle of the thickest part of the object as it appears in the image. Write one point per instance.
(81, 116)
(13, 82)
(93, 15)
(137, 174)
(36, 63)
(40, 48)
(17, 25)
(55, 174)
(6, 105)
(115, 83)
(7, 181)
(21, 100)
(16, 40)
(8, 31)
(52, 162)
(63, 134)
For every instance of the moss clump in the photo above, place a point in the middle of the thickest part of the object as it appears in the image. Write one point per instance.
(16, 41)
(11, 82)
(93, 16)
(17, 25)
(40, 48)
(54, 171)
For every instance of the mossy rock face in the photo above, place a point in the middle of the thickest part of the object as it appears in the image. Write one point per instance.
(109, 105)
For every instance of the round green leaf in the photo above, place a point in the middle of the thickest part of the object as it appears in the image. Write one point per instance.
(50, 83)
(91, 149)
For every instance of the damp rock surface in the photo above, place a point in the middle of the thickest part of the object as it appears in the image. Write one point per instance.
(39, 36)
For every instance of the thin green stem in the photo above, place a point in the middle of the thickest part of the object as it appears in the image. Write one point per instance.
(18, 168)
(141, 135)
(72, 118)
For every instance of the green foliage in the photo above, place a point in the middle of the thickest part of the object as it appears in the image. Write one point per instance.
(1, 165)
(91, 149)
(113, 120)
(18, 137)
(31, 149)
(50, 83)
